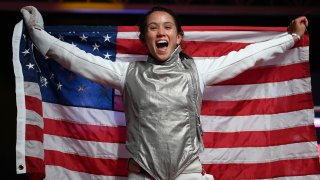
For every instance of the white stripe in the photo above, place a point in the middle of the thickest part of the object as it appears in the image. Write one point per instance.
(317, 122)
(264, 122)
(259, 154)
(231, 36)
(57, 172)
(309, 177)
(85, 148)
(83, 115)
(34, 149)
(34, 118)
(217, 36)
(257, 91)
(20, 99)
(32, 89)
(291, 56)
(128, 35)
(130, 57)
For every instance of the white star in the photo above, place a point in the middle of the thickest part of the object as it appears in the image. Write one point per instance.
(83, 37)
(95, 46)
(81, 88)
(52, 76)
(59, 86)
(43, 81)
(107, 56)
(107, 38)
(61, 37)
(30, 66)
(26, 51)
(73, 44)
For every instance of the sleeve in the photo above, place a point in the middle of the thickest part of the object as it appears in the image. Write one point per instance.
(234, 63)
(85, 64)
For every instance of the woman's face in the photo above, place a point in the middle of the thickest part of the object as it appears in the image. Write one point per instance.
(161, 36)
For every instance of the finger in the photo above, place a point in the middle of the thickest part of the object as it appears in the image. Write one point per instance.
(306, 22)
(25, 13)
(30, 9)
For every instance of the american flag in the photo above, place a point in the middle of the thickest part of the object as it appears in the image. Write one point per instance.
(257, 125)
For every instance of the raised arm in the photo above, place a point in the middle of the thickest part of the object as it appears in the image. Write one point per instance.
(85, 64)
(234, 63)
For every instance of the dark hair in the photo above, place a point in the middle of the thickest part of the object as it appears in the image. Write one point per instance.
(143, 25)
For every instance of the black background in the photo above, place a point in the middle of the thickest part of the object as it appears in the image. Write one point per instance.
(7, 86)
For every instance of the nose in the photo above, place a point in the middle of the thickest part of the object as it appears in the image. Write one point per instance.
(161, 31)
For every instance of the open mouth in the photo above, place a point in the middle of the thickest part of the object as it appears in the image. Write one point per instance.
(162, 44)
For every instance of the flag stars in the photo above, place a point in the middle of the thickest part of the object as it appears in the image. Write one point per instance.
(30, 66)
(95, 47)
(81, 88)
(52, 76)
(43, 81)
(26, 51)
(107, 38)
(107, 56)
(83, 37)
(59, 86)
(73, 44)
(61, 37)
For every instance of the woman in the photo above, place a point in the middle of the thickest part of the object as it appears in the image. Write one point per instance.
(161, 96)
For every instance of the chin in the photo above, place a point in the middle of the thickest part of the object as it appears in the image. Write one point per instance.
(162, 59)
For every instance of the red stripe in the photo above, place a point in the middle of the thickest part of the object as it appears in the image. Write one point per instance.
(34, 104)
(128, 28)
(210, 49)
(130, 46)
(233, 28)
(98, 166)
(294, 167)
(85, 131)
(258, 106)
(193, 48)
(305, 41)
(212, 28)
(270, 74)
(259, 138)
(34, 132)
(35, 165)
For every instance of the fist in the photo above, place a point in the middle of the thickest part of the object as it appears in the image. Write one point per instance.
(298, 25)
(32, 17)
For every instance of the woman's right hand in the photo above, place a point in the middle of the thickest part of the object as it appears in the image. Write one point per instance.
(32, 18)
(34, 23)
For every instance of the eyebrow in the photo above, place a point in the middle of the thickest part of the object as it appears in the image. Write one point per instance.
(152, 23)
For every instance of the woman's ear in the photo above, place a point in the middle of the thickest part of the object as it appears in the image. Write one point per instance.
(179, 38)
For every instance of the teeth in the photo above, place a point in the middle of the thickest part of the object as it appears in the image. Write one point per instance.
(162, 41)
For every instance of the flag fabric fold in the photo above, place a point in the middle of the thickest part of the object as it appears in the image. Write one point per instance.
(257, 125)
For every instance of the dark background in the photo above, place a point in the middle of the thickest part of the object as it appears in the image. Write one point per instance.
(240, 15)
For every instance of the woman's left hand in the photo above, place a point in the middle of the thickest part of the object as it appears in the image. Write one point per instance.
(298, 26)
